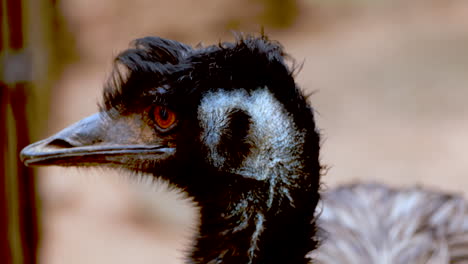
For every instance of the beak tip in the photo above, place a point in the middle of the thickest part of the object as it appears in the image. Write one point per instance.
(25, 155)
(29, 155)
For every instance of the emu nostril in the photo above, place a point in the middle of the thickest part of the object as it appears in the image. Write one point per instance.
(60, 143)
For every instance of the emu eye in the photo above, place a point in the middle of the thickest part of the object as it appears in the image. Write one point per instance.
(164, 117)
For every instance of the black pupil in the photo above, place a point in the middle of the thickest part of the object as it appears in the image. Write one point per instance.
(163, 114)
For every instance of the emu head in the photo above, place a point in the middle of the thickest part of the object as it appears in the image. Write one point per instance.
(227, 123)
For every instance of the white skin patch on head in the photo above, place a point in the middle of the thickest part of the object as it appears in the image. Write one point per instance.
(276, 142)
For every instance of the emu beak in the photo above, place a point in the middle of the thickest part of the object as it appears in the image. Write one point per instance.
(97, 140)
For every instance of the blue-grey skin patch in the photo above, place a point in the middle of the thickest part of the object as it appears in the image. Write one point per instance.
(277, 144)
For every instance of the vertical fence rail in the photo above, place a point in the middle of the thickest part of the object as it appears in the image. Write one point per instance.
(18, 204)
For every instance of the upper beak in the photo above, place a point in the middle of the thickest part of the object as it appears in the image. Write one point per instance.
(96, 140)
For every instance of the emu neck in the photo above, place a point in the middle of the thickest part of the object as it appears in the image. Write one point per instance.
(237, 226)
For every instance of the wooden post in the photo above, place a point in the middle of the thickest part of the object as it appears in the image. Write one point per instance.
(18, 203)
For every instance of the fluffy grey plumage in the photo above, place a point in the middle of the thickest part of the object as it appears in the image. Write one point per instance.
(372, 223)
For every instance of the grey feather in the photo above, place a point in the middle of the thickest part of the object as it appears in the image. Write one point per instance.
(372, 223)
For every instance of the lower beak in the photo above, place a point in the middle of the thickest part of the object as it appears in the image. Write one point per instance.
(93, 141)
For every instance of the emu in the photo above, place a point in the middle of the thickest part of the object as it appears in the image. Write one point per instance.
(229, 125)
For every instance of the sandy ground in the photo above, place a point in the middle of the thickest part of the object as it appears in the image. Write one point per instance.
(391, 96)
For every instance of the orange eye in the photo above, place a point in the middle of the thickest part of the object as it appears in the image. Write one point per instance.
(164, 117)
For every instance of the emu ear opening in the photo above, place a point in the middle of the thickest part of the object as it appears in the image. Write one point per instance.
(234, 143)
(92, 141)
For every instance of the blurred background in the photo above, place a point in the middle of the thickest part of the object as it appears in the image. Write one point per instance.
(390, 83)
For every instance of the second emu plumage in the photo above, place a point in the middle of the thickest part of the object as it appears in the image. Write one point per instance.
(227, 124)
